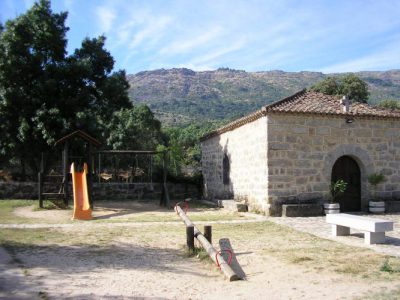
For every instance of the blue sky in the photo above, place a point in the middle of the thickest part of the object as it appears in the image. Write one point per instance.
(327, 36)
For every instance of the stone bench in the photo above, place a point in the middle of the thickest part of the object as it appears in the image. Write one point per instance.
(374, 229)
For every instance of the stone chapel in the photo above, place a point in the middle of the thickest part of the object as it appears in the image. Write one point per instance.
(290, 151)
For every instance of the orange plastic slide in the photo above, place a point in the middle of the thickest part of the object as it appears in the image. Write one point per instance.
(82, 210)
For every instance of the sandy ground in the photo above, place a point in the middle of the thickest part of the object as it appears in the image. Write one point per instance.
(104, 210)
(131, 268)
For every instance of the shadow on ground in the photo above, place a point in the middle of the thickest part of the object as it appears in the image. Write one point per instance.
(85, 261)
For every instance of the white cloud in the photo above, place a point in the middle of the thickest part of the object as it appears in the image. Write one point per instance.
(386, 58)
(186, 45)
(106, 18)
(213, 58)
(153, 30)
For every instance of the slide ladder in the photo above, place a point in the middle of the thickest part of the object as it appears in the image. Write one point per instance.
(82, 210)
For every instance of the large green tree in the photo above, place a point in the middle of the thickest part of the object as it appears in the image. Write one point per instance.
(184, 149)
(349, 85)
(44, 93)
(134, 128)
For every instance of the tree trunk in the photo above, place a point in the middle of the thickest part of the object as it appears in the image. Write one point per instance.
(23, 169)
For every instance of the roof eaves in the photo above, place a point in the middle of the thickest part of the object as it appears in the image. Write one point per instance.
(268, 107)
(235, 124)
(338, 115)
(80, 134)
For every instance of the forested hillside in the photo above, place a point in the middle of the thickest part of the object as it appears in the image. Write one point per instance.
(179, 96)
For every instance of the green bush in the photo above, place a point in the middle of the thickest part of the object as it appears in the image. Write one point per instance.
(336, 188)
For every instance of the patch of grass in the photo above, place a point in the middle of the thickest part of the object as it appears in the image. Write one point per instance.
(300, 259)
(15, 240)
(173, 217)
(198, 252)
(218, 217)
(51, 204)
(387, 267)
(8, 206)
(83, 237)
(43, 295)
(308, 251)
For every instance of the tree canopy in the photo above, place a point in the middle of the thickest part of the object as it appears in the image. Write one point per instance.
(184, 147)
(45, 93)
(349, 85)
(134, 128)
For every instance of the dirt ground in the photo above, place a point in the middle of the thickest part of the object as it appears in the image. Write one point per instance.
(99, 261)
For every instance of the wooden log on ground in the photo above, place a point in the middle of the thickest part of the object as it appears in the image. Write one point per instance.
(224, 266)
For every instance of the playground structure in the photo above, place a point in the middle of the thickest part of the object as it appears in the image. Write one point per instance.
(192, 232)
(104, 167)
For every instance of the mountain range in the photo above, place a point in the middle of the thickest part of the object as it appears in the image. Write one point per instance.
(179, 96)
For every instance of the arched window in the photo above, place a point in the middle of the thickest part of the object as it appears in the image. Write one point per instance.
(225, 169)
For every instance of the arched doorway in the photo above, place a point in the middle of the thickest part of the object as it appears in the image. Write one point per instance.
(346, 168)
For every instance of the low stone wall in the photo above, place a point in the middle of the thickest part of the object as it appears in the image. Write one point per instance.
(302, 210)
(18, 190)
(392, 206)
(276, 208)
(106, 191)
(137, 191)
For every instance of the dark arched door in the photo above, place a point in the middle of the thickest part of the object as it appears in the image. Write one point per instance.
(347, 169)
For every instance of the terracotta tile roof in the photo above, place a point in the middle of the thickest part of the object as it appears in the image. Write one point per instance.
(310, 103)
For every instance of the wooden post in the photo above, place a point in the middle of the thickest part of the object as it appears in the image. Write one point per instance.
(208, 233)
(42, 163)
(164, 189)
(66, 173)
(99, 168)
(40, 181)
(40, 186)
(190, 238)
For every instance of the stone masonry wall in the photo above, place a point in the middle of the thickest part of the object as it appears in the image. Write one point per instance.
(303, 149)
(246, 148)
(113, 191)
